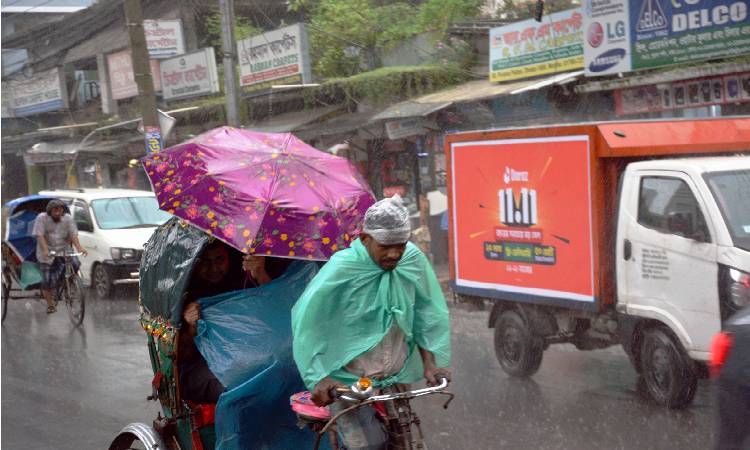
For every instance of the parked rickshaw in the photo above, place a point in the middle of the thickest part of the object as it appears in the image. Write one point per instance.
(21, 279)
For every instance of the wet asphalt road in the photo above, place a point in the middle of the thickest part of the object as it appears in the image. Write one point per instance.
(65, 388)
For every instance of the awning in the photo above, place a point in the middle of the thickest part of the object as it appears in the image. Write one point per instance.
(50, 152)
(558, 79)
(410, 109)
(665, 76)
(342, 124)
(65, 150)
(469, 92)
(289, 122)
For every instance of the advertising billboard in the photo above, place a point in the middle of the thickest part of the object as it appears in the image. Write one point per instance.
(527, 49)
(624, 35)
(164, 38)
(693, 93)
(190, 75)
(122, 78)
(276, 57)
(38, 93)
(522, 216)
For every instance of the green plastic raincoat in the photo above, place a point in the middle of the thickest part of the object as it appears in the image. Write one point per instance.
(351, 304)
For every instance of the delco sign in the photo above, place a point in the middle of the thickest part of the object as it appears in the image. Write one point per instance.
(625, 35)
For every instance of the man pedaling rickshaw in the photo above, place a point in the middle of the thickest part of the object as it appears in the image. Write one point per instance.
(374, 310)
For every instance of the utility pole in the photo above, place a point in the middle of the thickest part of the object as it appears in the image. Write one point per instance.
(142, 72)
(231, 86)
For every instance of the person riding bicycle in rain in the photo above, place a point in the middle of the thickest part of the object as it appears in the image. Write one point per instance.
(374, 310)
(54, 231)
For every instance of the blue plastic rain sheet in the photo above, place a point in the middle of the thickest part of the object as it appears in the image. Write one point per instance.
(246, 339)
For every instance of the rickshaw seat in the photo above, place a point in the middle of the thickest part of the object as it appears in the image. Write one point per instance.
(306, 409)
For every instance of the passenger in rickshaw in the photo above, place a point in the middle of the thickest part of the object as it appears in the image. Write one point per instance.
(55, 231)
(219, 269)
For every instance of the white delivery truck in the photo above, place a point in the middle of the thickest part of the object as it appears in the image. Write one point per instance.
(630, 233)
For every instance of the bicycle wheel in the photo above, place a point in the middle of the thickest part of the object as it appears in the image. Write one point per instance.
(75, 300)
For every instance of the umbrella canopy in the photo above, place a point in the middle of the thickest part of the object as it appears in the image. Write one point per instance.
(262, 193)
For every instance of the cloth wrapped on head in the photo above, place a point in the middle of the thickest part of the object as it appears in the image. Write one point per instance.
(387, 221)
(55, 203)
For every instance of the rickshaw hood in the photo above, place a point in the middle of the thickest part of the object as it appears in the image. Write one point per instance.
(168, 260)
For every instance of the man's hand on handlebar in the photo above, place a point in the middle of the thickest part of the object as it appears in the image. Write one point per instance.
(321, 395)
(433, 375)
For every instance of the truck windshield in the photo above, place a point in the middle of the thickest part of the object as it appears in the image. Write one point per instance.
(730, 189)
(128, 212)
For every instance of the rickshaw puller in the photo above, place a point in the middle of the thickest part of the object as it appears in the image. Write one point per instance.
(55, 231)
(390, 318)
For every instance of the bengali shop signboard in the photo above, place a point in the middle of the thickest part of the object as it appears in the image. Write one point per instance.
(277, 57)
(41, 92)
(515, 230)
(624, 35)
(527, 49)
(122, 79)
(190, 75)
(164, 38)
(718, 90)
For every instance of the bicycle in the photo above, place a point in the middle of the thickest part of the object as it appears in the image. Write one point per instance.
(70, 290)
(395, 413)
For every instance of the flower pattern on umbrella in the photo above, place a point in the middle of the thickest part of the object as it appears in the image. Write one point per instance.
(263, 193)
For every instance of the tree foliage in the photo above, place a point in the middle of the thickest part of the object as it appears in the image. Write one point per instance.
(437, 15)
(345, 34)
(524, 9)
(210, 35)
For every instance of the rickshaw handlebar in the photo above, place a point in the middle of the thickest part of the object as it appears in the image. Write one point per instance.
(64, 254)
(354, 395)
(360, 398)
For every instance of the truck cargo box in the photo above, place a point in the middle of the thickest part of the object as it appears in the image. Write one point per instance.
(532, 211)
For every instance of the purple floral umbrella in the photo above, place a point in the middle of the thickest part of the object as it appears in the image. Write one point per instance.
(262, 193)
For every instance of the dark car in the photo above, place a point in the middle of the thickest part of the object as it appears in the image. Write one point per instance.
(730, 365)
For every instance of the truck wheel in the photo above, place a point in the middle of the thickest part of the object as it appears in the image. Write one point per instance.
(518, 350)
(101, 282)
(669, 375)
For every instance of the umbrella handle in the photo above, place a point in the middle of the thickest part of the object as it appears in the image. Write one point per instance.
(248, 277)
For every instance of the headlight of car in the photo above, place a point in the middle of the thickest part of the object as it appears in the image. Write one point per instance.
(119, 253)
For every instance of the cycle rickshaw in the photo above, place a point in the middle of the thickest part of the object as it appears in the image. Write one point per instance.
(170, 257)
(21, 278)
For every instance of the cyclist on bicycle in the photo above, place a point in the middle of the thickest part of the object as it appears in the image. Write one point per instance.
(55, 231)
(374, 310)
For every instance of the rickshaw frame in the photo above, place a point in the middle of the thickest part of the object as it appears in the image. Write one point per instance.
(12, 261)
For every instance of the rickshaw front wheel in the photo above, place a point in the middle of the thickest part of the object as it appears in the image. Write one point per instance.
(138, 436)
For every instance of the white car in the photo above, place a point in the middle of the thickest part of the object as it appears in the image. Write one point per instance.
(113, 225)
